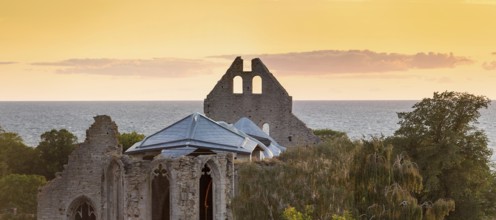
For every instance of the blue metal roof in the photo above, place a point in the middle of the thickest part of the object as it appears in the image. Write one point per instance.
(196, 131)
(249, 127)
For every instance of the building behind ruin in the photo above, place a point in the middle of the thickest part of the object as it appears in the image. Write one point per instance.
(270, 108)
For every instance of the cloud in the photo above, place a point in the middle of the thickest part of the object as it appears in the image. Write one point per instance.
(355, 61)
(157, 67)
(489, 65)
(6, 63)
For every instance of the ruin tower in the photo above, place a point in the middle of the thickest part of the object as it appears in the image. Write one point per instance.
(270, 108)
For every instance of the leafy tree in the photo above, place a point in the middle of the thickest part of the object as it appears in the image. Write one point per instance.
(451, 153)
(54, 150)
(15, 156)
(19, 191)
(384, 185)
(128, 139)
(316, 179)
(290, 213)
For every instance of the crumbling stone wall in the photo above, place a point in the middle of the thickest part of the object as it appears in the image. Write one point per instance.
(273, 106)
(118, 186)
(83, 175)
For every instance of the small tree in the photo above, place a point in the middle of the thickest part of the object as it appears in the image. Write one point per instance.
(451, 153)
(128, 139)
(20, 191)
(54, 150)
(15, 156)
(384, 186)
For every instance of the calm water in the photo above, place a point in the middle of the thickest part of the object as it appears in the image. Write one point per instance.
(357, 118)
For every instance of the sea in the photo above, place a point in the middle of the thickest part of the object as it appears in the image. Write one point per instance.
(359, 119)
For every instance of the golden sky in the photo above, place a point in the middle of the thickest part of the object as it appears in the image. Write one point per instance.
(178, 50)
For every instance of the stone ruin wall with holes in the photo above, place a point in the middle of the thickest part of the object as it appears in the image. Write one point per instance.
(273, 105)
(118, 186)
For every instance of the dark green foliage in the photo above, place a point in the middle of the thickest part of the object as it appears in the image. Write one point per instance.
(328, 134)
(18, 163)
(316, 177)
(54, 150)
(19, 191)
(128, 139)
(452, 155)
(384, 185)
(15, 156)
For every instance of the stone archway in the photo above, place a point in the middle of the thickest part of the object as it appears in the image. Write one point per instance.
(206, 194)
(114, 191)
(81, 209)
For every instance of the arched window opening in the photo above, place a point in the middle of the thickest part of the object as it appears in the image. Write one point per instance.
(257, 85)
(85, 212)
(114, 192)
(237, 85)
(160, 194)
(266, 128)
(206, 204)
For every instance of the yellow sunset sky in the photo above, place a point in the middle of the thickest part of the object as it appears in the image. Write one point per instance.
(178, 50)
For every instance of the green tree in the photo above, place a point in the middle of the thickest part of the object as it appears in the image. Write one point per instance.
(54, 150)
(324, 134)
(128, 139)
(315, 178)
(384, 185)
(15, 156)
(20, 191)
(451, 153)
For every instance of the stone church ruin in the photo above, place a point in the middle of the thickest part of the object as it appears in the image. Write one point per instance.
(184, 171)
(270, 108)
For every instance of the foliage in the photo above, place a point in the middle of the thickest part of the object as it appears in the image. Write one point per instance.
(452, 155)
(128, 139)
(316, 177)
(290, 213)
(345, 216)
(15, 156)
(328, 133)
(54, 150)
(10, 216)
(19, 191)
(439, 209)
(383, 185)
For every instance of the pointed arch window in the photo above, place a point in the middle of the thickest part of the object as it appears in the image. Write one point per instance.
(160, 194)
(114, 191)
(206, 194)
(85, 212)
(81, 208)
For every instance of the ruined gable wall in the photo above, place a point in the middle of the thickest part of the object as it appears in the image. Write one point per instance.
(84, 173)
(273, 106)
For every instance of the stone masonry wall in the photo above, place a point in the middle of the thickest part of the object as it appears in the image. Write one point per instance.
(184, 175)
(273, 106)
(119, 186)
(82, 176)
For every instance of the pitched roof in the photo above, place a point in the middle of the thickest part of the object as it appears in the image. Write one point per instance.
(249, 127)
(197, 131)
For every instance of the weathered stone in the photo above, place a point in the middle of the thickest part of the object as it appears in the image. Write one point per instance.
(272, 107)
(118, 186)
